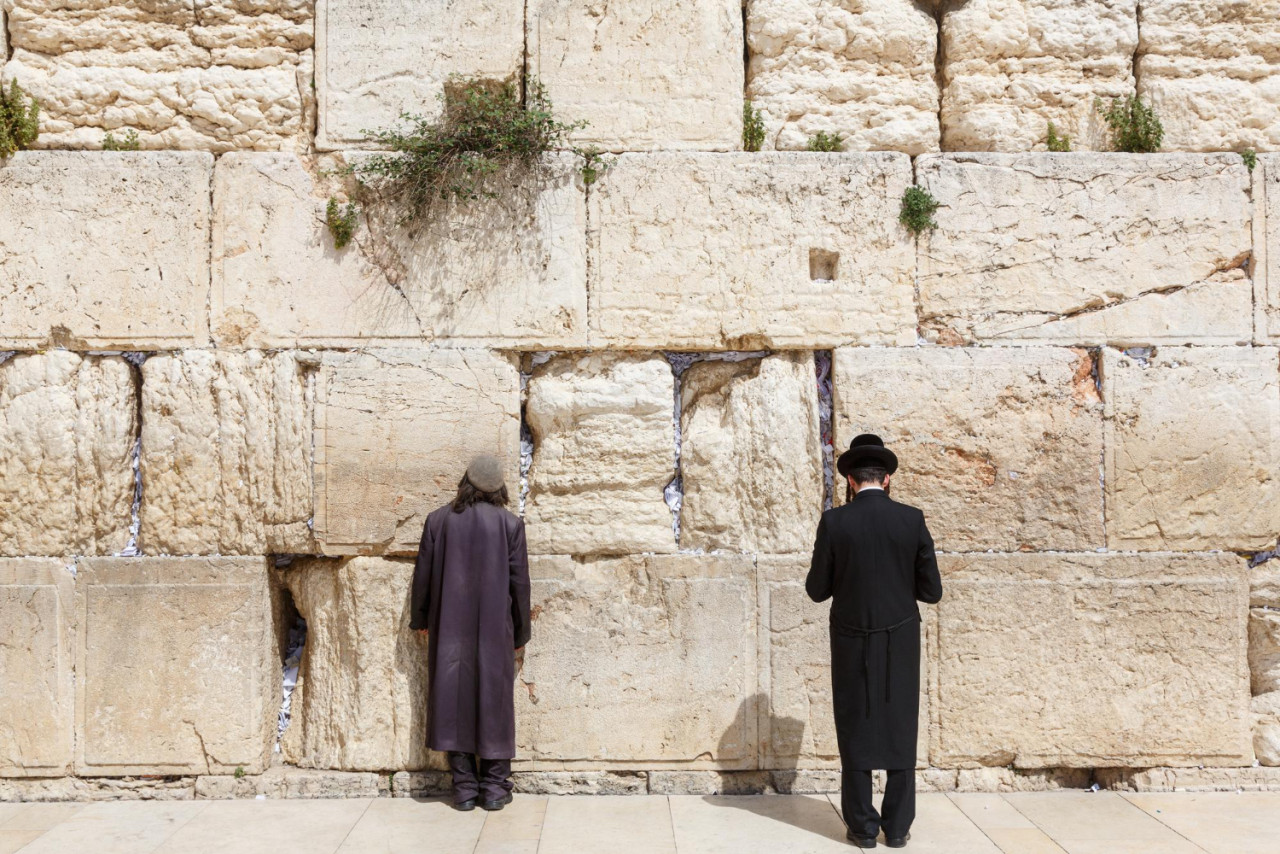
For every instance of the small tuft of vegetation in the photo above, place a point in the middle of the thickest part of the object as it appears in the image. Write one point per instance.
(594, 164)
(19, 119)
(918, 208)
(1250, 158)
(1055, 142)
(752, 127)
(342, 222)
(239, 771)
(127, 142)
(1134, 126)
(823, 141)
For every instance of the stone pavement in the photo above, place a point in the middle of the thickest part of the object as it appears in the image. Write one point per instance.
(1039, 823)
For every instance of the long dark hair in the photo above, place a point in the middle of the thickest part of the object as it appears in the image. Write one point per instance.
(468, 495)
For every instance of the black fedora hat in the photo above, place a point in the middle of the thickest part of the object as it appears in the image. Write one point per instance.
(867, 449)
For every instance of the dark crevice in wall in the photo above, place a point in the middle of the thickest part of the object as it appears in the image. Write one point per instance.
(822, 363)
(939, 64)
(131, 549)
(528, 362)
(1137, 45)
(291, 638)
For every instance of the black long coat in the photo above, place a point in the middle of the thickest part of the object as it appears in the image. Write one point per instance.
(471, 590)
(874, 558)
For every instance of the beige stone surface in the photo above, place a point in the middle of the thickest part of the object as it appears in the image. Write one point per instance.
(213, 74)
(226, 453)
(37, 621)
(863, 71)
(646, 74)
(750, 455)
(738, 251)
(176, 667)
(395, 430)
(376, 59)
(1012, 66)
(1213, 71)
(999, 447)
(68, 430)
(130, 240)
(603, 452)
(1192, 439)
(1118, 660)
(1264, 650)
(1264, 585)
(1087, 249)
(1266, 728)
(278, 281)
(1266, 248)
(665, 644)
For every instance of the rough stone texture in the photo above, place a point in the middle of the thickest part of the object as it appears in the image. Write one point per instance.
(278, 281)
(581, 782)
(710, 783)
(734, 251)
(175, 666)
(863, 71)
(1192, 439)
(1266, 728)
(1264, 585)
(998, 447)
(665, 644)
(1264, 650)
(1192, 779)
(226, 454)
(361, 699)
(1013, 66)
(104, 251)
(750, 455)
(36, 706)
(1212, 68)
(645, 74)
(421, 784)
(53, 789)
(394, 432)
(68, 429)
(296, 783)
(209, 74)
(376, 59)
(1021, 780)
(604, 450)
(1266, 249)
(1119, 660)
(1087, 249)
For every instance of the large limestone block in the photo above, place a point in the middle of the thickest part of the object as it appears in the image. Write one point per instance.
(751, 458)
(1212, 69)
(640, 659)
(376, 59)
(1264, 650)
(104, 251)
(68, 431)
(1087, 249)
(1192, 439)
(1013, 66)
(1090, 660)
(863, 71)
(999, 447)
(175, 666)
(750, 251)
(1266, 248)
(645, 74)
(361, 699)
(603, 452)
(226, 453)
(37, 623)
(278, 281)
(1266, 728)
(394, 433)
(213, 74)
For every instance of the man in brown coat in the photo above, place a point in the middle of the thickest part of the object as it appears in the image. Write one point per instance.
(471, 595)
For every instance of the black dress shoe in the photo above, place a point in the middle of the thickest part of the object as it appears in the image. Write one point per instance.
(897, 841)
(860, 841)
(466, 806)
(498, 804)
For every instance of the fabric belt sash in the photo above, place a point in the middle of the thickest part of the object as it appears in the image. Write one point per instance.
(866, 634)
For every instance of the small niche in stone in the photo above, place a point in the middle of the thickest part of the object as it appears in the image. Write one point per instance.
(822, 264)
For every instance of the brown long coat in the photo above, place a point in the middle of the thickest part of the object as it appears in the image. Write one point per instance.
(471, 590)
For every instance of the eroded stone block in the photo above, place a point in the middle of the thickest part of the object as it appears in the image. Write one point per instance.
(999, 447)
(1090, 660)
(1266, 728)
(1192, 439)
(1087, 249)
(395, 430)
(175, 666)
(751, 251)
(1266, 248)
(1264, 650)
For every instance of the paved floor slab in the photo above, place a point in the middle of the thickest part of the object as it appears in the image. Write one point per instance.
(639, 825)
(401, 825)
(941, 828)
(1099, 823)
(38, 816)
(12, 841)
(517, 829)
(1009, 829)
(119, 827)
(1219, 822)
(267, 827)
(728, 824)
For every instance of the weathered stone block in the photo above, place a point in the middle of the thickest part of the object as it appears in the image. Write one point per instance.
(999, 447)
(863, 71)
(751, 251)
(104, 250)
(1213, 71)
(376, 59)
(1264, 585)
(647, 74)
(1266, 728)
(1264, 650)
(751, 455)
(603, 452)
(175, 666)
(581, 782)
(1130, 249)
(226, 453)
(664, 643)
(36, 707)
(1013, 66)
(1266, 248)
(394, 433)
(1092, 660)
(68, 430)
(1192, 439)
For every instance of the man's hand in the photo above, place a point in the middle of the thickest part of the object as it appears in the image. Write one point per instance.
(422, 632)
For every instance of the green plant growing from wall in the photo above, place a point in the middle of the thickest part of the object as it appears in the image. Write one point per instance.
(752, 127)
(19, 119)
(823, 141)
(342, 222)
(594, 164)
(1055, 142)
(127, 142)
(1134, 126)
(918, 208)
(1250, 158)
(239, 772)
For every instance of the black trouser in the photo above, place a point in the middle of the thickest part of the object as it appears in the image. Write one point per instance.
(491, 782)
(899, 805)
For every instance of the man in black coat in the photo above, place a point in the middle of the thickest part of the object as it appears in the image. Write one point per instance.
(873, 557)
